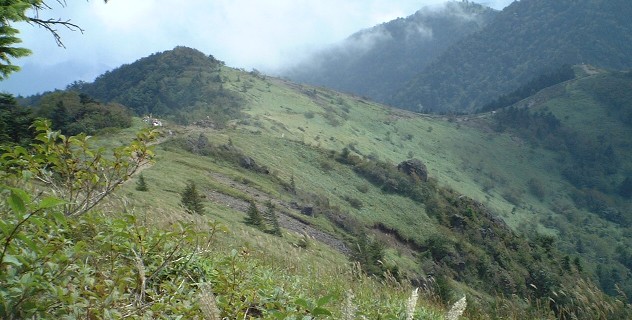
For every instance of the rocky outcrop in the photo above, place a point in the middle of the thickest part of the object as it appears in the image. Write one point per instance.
(414, 168)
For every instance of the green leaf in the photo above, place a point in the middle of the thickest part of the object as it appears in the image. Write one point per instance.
(50, 202)
(11, 260)
(16, 202)
(324, 300)
(27, 175)
(5, 227)
(28, 243)
(276, 314)
(318, 311)
(303, 303)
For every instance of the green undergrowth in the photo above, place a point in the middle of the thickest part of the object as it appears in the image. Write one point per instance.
(114, 266)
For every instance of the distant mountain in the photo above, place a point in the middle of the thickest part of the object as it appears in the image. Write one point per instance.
(377, 62)
(525, 40)
(167, 83)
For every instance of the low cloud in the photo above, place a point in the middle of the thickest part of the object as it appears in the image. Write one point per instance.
(244, 33)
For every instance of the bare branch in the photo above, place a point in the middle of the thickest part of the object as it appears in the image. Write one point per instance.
(50, 24)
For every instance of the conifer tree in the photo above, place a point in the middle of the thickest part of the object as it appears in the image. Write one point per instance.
(191, 199)
(292, 185)
(254, 217)
(272, 219)
(141, 184)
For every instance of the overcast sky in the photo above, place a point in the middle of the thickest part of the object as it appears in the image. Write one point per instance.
(262, 34)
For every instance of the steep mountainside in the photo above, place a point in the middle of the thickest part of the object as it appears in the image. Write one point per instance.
(525, 40)
(586, 124)
(379, 61)
(522, 210)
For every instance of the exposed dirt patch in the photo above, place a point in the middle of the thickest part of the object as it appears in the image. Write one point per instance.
(283, 210)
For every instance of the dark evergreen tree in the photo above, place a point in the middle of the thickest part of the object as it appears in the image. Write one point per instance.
(625, 189)
(60, 117)
(141, 184)
(191, 199)
(369, 252)
(578, 264)
(254, 217)
(272, 219)
(292, 185)
(15, 121)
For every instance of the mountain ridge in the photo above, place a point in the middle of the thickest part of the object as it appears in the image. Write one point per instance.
(527, 38)
(374, 62)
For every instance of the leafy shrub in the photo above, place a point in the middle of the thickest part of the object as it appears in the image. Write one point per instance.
(56, 266)
(72, 169)
(536, 187)
(354, 202)
(514, 196)
(325, 165)
(200, 145)
(364, 188)
(387, 176)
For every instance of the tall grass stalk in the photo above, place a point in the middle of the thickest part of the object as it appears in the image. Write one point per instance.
(412, 304)
(208, 305)
(349, 309)
(457, 309)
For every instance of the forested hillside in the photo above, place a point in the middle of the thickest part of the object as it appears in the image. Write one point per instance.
(587, 124)
(525, 40)
(173, 83)
(377, 62)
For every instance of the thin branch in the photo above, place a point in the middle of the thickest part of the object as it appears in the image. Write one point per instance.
(11, 235)
(50, 26)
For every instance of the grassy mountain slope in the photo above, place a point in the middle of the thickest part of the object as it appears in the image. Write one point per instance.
(377, 62)
(299, 133)
(327, 162)
(525, 40)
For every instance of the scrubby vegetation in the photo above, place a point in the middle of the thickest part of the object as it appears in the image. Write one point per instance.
(474, 247)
